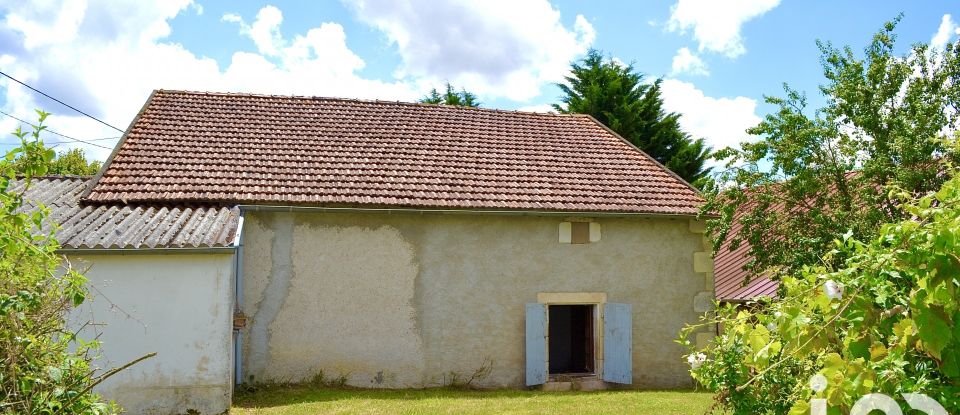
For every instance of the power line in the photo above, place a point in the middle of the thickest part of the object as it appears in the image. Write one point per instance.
(63, 142)
(67, 136)
(57, 100)
(85, 141)
(64, 135)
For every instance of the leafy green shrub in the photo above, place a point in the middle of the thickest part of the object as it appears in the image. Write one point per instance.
(725, 370)
(44, 369)
(886, 321)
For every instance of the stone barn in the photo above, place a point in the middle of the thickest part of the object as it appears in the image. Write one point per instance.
(392, 245)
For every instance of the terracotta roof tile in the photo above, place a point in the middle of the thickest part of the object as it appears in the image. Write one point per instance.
(189, 147)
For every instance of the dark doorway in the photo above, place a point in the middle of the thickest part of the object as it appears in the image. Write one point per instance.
(571, 339)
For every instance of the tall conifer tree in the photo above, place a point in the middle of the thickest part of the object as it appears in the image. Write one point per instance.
(616, 95)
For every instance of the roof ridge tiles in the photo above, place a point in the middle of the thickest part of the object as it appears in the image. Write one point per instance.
(361, 100)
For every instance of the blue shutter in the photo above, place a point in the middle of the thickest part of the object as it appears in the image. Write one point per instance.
(617, 343)
(536, 344)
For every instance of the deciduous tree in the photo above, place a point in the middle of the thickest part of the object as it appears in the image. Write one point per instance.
(73, 162)
(886, 320)
(855, 208)
(813, 175)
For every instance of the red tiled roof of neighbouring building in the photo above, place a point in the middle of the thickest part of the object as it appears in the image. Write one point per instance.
(729, 275)
(187, 147)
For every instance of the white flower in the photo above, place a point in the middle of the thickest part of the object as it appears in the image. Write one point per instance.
(818, 383)
(696, 360)
(833, 290)
(771, 327)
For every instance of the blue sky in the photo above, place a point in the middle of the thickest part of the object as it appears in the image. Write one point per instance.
(718, 59)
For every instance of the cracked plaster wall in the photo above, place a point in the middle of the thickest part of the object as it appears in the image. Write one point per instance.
(404, 300)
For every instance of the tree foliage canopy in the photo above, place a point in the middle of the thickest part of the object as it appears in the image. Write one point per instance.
(855, 207)
(813, 175)
(72, 162)
(887, 320)
(44, 367)
(451, 96)
(617, 96)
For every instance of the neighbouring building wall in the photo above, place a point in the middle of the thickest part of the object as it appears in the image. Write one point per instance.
(179, 306)
(406, 300)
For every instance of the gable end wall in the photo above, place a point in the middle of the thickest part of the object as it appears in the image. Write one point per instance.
(408, 300)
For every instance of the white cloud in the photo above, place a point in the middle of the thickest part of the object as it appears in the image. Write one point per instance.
(538, 108)
(265, 30)
(495, 48)
(720, 121)
(687, 62)
(948, 28)
(716, 24)
(36, 33)
(106, 56)
(233, 18)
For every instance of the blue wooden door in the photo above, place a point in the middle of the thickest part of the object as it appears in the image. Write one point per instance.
(536, 344)
(617, 343)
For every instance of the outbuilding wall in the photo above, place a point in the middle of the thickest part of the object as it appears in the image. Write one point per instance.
(414, 300)
(179, 306)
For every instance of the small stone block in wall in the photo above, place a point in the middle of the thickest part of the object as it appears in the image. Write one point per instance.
(594, 232)
(565, 231)
(708, 277)
(698, 226)
(703, 302)
(703, 340)
(702, 262)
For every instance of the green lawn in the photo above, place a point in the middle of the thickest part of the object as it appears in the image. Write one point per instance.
(306, 400)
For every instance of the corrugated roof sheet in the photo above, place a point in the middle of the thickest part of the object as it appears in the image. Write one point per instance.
(188, 147)
(729, 275)
(124, 226)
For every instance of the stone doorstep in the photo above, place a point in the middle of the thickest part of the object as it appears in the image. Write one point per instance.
(557, 386)
(588, 385)
(585, 384)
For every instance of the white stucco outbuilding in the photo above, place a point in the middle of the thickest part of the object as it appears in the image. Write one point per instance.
(160, 282)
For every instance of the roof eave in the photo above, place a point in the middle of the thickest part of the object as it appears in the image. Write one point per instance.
(143, 251)
(492, 212)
